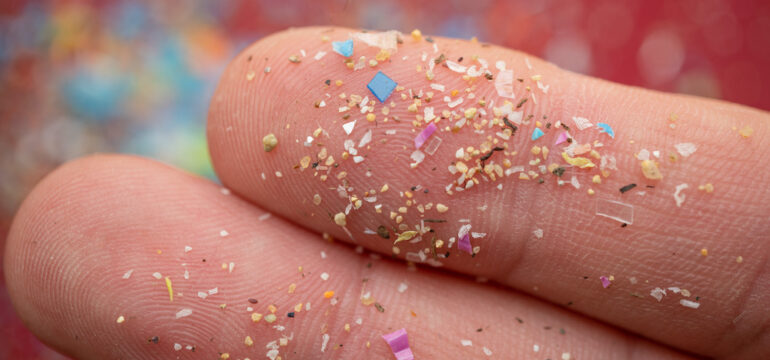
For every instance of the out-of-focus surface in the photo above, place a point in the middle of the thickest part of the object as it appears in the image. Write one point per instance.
(78, 77)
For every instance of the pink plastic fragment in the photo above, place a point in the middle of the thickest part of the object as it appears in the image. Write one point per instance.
(424, 135)
(605, 281)
(562, 138)
(465, 243)
(399, 344)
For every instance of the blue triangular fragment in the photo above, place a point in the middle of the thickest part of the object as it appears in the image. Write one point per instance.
(537, 133)
(344, 48)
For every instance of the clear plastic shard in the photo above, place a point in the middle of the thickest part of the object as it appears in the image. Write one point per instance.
(615, 210)
(433, 145)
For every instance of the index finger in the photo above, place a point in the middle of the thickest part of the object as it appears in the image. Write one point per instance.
(702, 252)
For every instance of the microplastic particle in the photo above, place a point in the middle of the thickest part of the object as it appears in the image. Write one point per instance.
(537, 133)
(686, 149)
(605, 128)
(562, 138)
(344, 48)
(420, 139)
(615, 210)
(381, 86)
(678, 197)
(605, 281)
(581, 122)
(399, 344)
(433, 145)
(689, 303)
(349, 126)
(658, 293)
(184, 312)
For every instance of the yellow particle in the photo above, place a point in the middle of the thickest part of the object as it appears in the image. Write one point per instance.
(442, 208)
(580, 162)
(222, 306)
(368, 344)
(338, 83)
(650, 170)
(382, 55)
(170, 290)
(250, 76)
(461, 167)
(270, 318)
(325, 38)
(746, 132)
(247, 341)
(292, 287)
(404, 236)
(370, 117)
(159, 252)
(412, 107)
(416, 35)
(347, 327)
(536, 150)
(384, 188)
(295, 59)
(329, 294)
(704, 252)
(121, 319)
(372, 63)
(224, 356)
(305, 162)
(255, 317)
(339, 219)
(591, 192)
(269, 142)
(739, 259)
(470, 113)
(272, 308)
(707, 188)
(454, 93)
(597, 179)
(298, 307)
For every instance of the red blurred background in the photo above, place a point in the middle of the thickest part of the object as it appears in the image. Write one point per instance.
(78, 77)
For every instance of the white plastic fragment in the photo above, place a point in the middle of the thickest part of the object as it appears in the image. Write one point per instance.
(538, 233)
(615, 210)
(128, 274)
(581, 122)
(157, 275)
(486, 350)
(466, 342)
(437, 87)
(367, 138)
(678, 196)
(325, 339)
(456, 67)
(429, 115)
(658, 293)
(223, 233)
(324, 276)
(184, 312)
(348, 127)
(387, 40)
(319, 55)
(689, 303)
(686, 149)
(177, 346)
(504, 84)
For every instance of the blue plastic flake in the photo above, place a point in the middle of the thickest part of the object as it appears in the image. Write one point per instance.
(344, 48)
(381, 86)
(537, 133)
(606, 129)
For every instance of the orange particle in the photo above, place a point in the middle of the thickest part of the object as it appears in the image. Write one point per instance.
(329, 294)
(412, 312)
(704, 252)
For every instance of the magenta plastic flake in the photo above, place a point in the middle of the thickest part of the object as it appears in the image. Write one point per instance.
(465, 243)
(424, 135)
(605, 281)
(562, 138)
(399, 344)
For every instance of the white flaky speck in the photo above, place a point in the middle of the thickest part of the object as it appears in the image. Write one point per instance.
(184, 312)
(536, 348)
(566, 356)
(466, 342)
(325, 338)
(177, 347)
(157, 275)
(678, 197)
(213, 291)
(223, 233)
(264, 216)
(686, 149)
(689, 303)
(187, 249)
(538, 233)
(658, 293)
(324, 276)
(128, 274)
(202, 294)
(486, 350)
(402, 287)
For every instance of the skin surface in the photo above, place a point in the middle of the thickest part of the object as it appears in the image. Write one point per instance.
(94, 219)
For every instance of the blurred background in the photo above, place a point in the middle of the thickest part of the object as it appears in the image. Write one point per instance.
(78, 77)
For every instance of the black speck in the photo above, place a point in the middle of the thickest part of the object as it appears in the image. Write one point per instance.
(627, 188)
(291, 314)
(153, 340)
(253, 300)
(479, 330)
(519, 320)
(328, 82)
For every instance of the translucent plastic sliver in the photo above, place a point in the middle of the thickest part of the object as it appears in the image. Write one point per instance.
(433, 145)
(615, 210)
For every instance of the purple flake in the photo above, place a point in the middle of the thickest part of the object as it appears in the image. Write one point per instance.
(399, 344)
(424, 135)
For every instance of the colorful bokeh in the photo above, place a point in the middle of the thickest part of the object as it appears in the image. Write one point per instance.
(79, 77)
